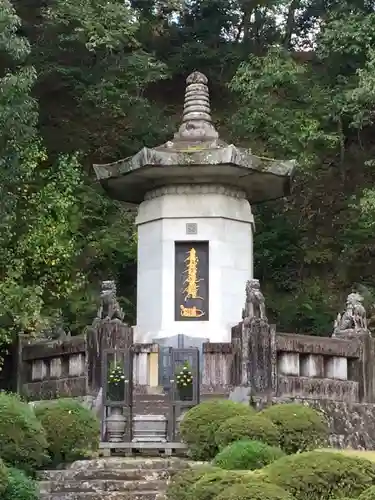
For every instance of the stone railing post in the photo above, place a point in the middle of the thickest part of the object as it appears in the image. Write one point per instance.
(104, 335)
(364, 371)
(261, 361)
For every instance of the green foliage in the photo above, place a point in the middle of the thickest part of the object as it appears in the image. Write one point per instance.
(250, 427)
(254, 491)
(72, 430)
(301, 428)
(247, 455)
(287, 79)
(212, 484)
(368, 494)
(179, 486)
(18, 114)
(321, 475)
(20, 486)
(4, 479)
(200, 424)
(22, 437)
(107, 77)
(288, 116)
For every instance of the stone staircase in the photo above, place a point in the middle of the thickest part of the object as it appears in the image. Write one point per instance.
(110, 479)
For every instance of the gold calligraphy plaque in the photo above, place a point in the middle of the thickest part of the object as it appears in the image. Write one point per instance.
(191, 280)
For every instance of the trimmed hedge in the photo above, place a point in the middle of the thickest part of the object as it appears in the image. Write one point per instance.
(20, 487)
(181, 482)
(368, 494)
(22, 437)
(3, 477)
(200, 424)
(247, 455)
(254, 491)
(251, 427)
(213, 483)
(72, 430)
(301, 428)
(319, 475)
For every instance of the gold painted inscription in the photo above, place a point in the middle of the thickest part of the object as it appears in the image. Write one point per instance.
(191, 285)
(192, 280)
(191, 312)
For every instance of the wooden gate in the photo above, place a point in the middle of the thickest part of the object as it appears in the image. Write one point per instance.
(166, 345)
(117, 416)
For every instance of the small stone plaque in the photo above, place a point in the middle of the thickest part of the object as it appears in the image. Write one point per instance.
(191, 228)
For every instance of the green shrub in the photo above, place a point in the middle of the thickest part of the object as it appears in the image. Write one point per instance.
(22, 437)
(319, 475)
(254, 491)
(180, 483)
(247, 455)
(72, 430)
(3, 477)
(368, 494)
(301, 428)
(200, 424)
(20, 487)
(250, 427)
(213, 483)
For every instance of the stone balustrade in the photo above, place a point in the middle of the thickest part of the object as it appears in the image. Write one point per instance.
(317, 367)
(218, 365)
(53, 369)
(50, 369)
(279, 364)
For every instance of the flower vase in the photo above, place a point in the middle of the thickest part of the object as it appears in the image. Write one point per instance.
(185, 393)
(116, 425)
(116, 392)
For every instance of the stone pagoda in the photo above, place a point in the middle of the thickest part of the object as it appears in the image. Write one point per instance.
(195, 225)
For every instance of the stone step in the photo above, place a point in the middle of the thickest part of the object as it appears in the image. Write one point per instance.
(143, 495)
(139, 463)
(102, 486)
(115, 474)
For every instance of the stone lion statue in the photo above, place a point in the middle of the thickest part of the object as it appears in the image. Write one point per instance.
(109, 307)
(255, 304)
(354, 317)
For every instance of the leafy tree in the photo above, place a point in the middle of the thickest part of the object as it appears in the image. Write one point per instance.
(45, 243)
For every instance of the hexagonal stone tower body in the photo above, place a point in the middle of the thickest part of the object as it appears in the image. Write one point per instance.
(195, 225)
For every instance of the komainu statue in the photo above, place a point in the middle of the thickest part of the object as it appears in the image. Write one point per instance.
(353, 319)
(109, 307)
(255, 307)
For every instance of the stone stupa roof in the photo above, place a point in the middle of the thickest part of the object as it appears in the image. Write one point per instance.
(195, 155)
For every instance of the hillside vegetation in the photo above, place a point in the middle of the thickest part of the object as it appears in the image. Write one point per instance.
(86, 81)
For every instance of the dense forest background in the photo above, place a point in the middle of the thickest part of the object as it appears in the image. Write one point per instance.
(86, 81)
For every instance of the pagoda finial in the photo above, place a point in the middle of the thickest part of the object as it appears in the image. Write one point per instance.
(196, 119)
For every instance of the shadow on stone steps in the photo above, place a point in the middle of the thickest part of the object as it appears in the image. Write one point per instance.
(99, 485)
(70, 475)
(152, 495)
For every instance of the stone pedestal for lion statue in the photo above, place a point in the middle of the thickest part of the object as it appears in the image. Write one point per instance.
(257, 349)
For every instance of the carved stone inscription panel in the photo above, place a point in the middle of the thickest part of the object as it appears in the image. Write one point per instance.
(192, 281)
